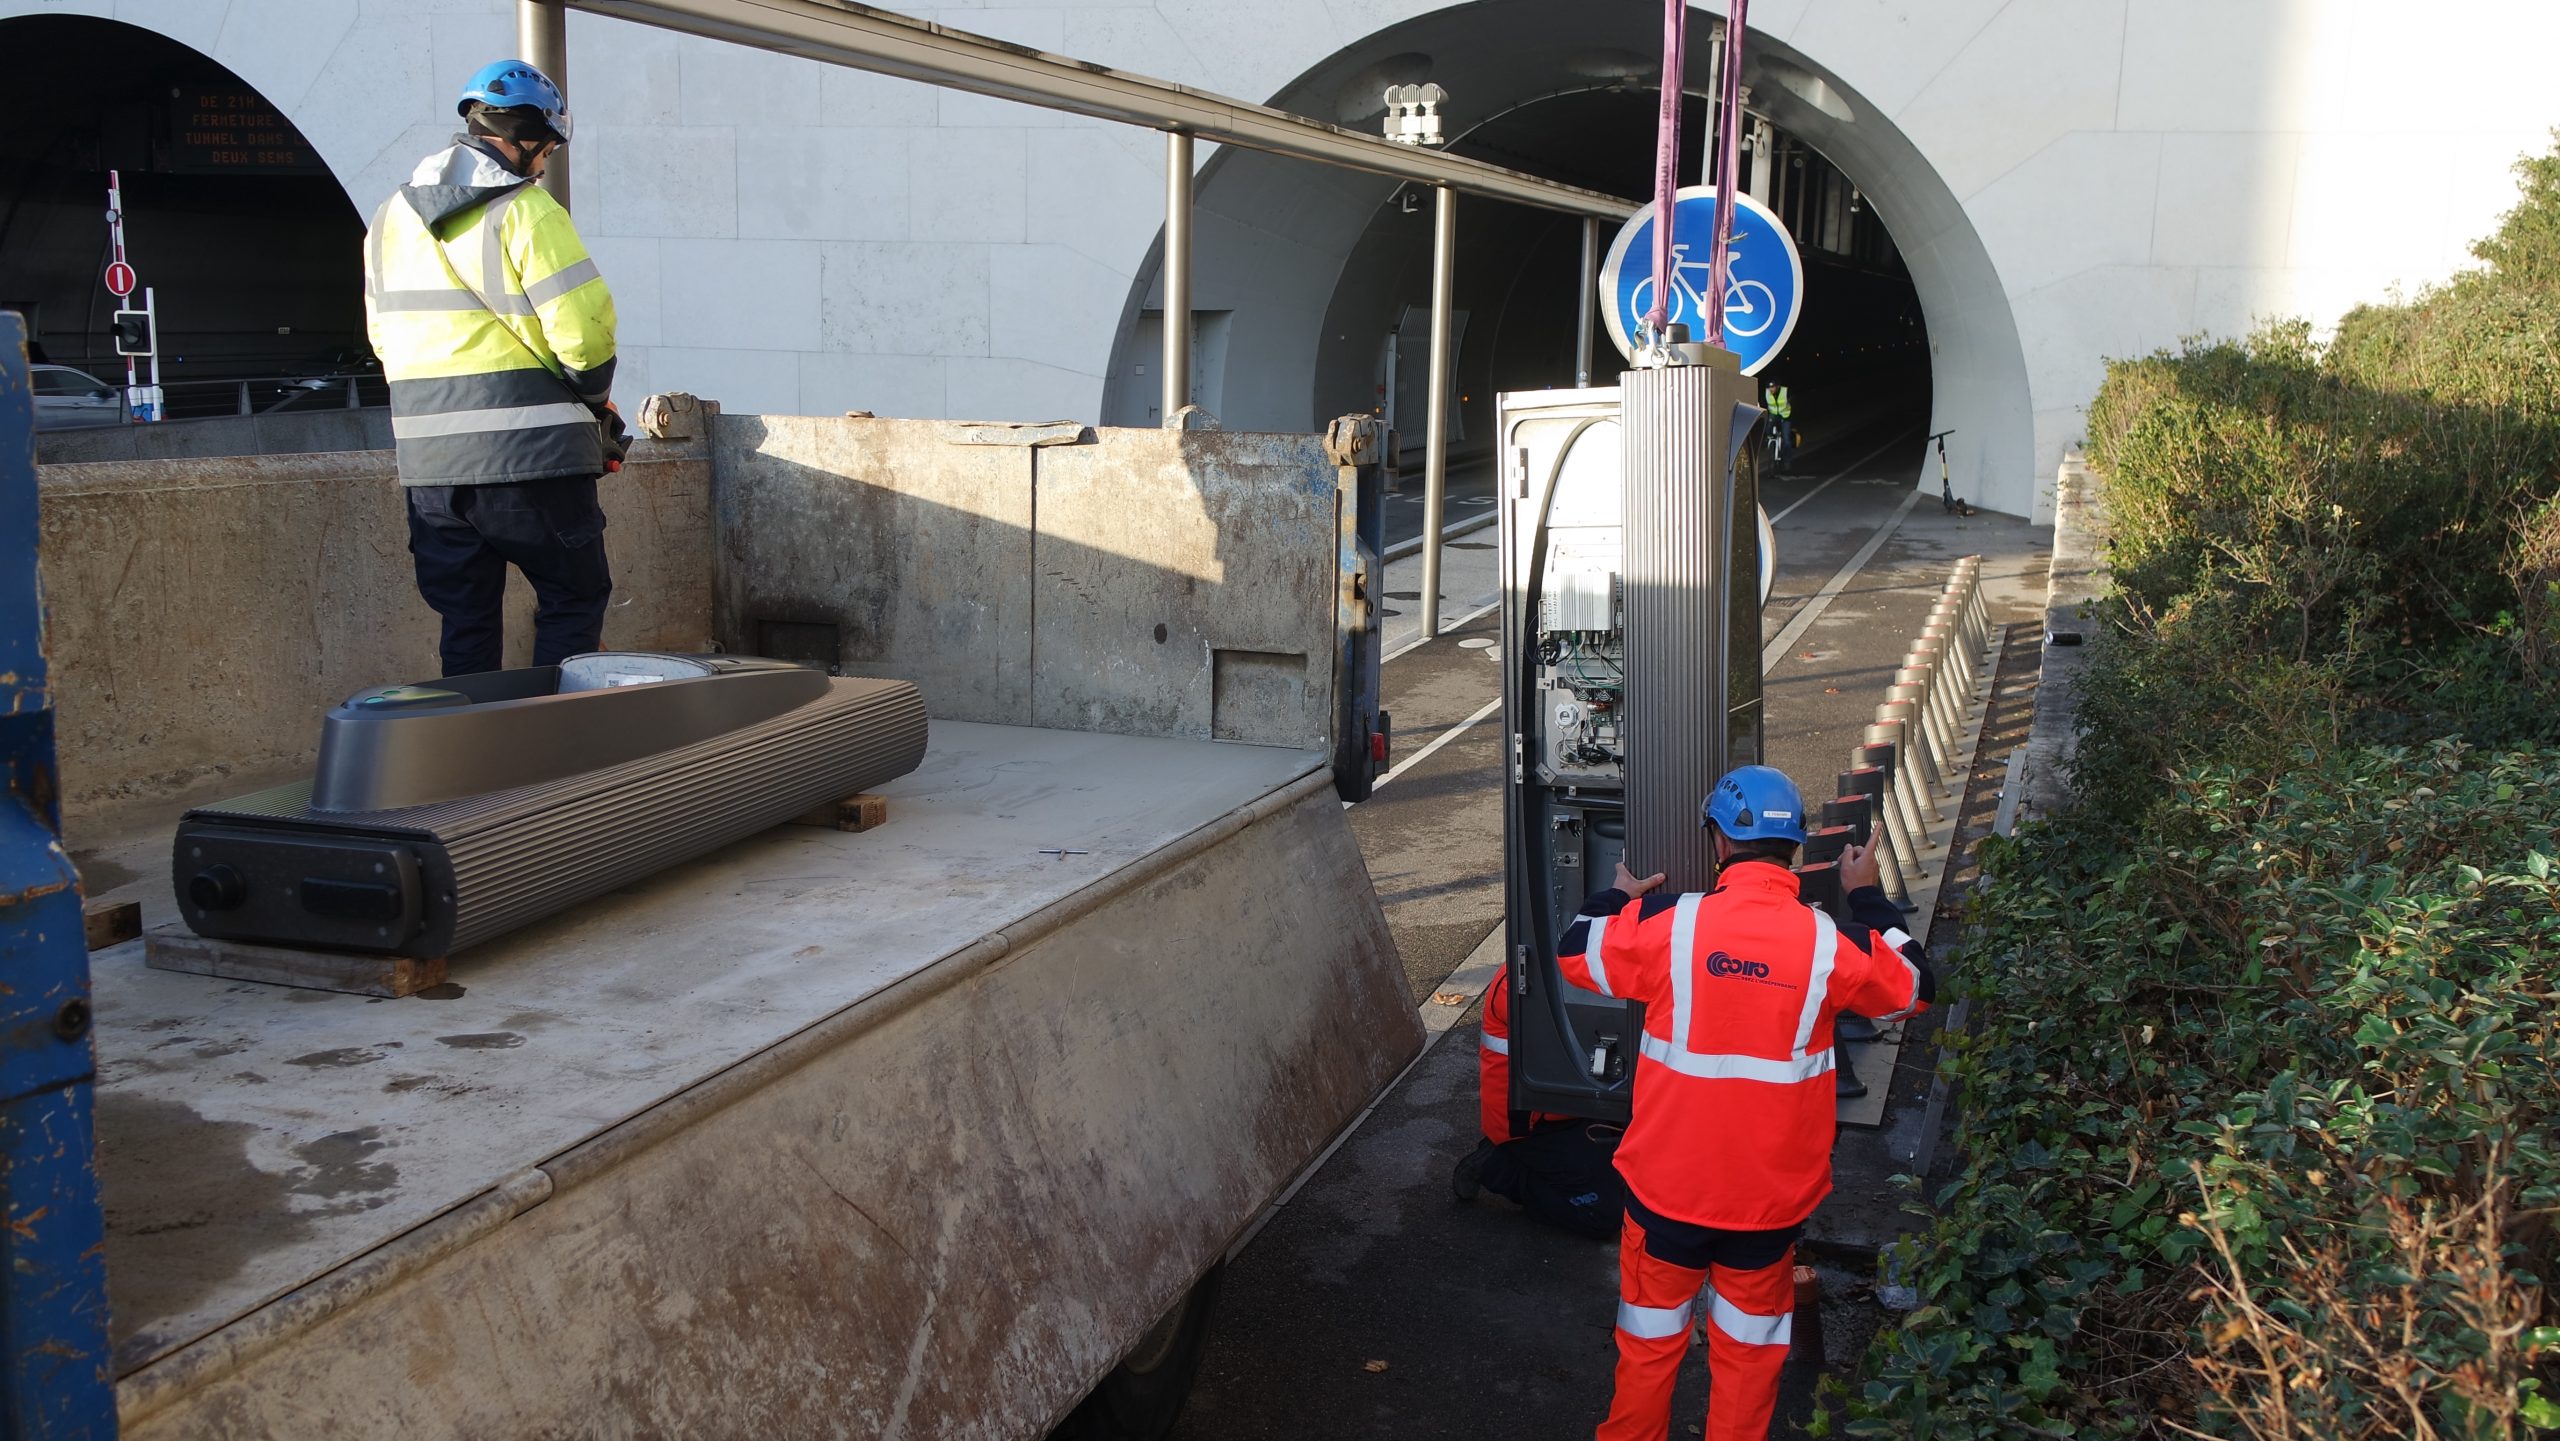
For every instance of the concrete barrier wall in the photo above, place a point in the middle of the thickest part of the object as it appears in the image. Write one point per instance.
(1141, 582)
(203, 614)
(291, 432)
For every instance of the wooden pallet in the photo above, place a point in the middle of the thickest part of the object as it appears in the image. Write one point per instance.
(111, 923)
(172, 947)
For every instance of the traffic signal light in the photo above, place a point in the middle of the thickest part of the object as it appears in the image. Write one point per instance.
(133, 332)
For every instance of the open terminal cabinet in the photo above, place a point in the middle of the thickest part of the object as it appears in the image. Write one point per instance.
(1632, 575)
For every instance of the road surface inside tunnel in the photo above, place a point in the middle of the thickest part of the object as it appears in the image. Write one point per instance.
(1372, 1305)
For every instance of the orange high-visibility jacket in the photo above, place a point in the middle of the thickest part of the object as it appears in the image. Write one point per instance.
(1493, 1071)
(1735, 1103)
(1493, 1063)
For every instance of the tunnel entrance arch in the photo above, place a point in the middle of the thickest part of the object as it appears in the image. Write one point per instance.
(232, 214)
(1281, 274)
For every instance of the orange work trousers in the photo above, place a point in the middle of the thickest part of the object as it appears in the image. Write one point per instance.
(1750, 1316)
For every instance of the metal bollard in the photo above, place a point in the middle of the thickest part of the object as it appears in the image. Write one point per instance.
(1952, 609)
(1860, 808)
(1944, 723)
(1912, 780)
(1826, 843)
(1955, 659)
(1924, 727)
(1819, 885)
(1932, 656)
(1885, 759)
(1957, 611)
(1849, 812)
(1927, 783)
(1941, 671)
(1970, 568)
(1951, 648)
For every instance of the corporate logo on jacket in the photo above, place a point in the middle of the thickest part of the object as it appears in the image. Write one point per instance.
(1756, 972)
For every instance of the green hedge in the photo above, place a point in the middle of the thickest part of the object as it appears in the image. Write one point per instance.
(2259, 1086)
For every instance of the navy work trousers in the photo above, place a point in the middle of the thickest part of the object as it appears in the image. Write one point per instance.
(463, 538)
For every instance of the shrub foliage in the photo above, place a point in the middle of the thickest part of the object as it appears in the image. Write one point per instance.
(2261, 1075)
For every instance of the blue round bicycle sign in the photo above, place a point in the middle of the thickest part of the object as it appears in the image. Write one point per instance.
(1764, 286)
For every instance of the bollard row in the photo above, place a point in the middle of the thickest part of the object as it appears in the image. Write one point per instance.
(1905, 774)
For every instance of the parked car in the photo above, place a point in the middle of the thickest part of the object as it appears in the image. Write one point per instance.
(66, 398)
(322, 380)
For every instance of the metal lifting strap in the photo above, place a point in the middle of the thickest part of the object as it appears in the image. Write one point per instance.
(1728, 157)
(1666, 157)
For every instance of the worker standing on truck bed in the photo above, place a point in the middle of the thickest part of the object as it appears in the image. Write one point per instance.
(496, 335)
(1729, 1150)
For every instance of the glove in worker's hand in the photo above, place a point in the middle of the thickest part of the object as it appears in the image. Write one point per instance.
(1628, 881)
(616, 436)
(1859, 867)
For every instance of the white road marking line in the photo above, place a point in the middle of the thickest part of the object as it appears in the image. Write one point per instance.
(1776, 650)
(1446, 626)
(1442, 739)
(1837, 475)
(1412, 545)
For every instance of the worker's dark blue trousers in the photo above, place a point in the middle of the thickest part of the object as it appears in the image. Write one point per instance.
(463, 538)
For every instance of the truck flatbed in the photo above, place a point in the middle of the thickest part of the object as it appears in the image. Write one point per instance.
(255, 1137)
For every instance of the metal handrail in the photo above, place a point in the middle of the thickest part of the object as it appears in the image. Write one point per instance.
(840, 33)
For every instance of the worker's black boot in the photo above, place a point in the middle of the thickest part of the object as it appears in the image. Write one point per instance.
(1468, 1179)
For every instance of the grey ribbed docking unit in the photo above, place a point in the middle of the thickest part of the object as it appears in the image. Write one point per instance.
(1692, 609)
(448, 873)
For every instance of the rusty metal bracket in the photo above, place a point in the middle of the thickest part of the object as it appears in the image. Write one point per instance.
(54, 1365)
(1363, 456)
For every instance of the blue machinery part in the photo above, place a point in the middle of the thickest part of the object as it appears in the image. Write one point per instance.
(57, 1381)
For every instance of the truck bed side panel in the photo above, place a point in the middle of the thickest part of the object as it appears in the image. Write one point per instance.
(937, 1214)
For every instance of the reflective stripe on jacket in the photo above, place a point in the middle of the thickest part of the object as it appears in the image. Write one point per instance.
(494, 329)
(1735, 1104)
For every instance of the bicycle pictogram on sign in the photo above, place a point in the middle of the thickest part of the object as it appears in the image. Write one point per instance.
(1764, 282)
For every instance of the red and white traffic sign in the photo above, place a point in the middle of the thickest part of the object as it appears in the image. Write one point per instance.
(120, 279)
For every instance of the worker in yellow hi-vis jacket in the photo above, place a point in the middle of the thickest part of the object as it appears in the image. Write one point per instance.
(496, 335)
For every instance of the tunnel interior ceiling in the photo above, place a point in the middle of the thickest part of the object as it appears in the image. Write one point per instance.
(1568, 93)
(231, 215)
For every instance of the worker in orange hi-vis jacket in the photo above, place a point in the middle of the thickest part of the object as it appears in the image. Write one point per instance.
(1729, 1150)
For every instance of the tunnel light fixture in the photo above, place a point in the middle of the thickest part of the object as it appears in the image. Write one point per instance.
(1413, 114)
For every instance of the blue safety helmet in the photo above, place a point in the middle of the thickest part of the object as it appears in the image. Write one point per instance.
(512, 84)
(1754, 803)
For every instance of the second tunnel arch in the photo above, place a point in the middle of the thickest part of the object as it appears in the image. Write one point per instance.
(1274, 236)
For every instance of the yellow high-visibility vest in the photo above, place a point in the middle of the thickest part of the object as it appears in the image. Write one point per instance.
(494, 329)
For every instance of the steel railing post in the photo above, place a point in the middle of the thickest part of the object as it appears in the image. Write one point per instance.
(1435, 473)
(1586, 296)
(1177, 275)
(542, 39)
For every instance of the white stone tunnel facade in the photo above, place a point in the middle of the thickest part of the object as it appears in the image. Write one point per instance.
(2066, 179)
